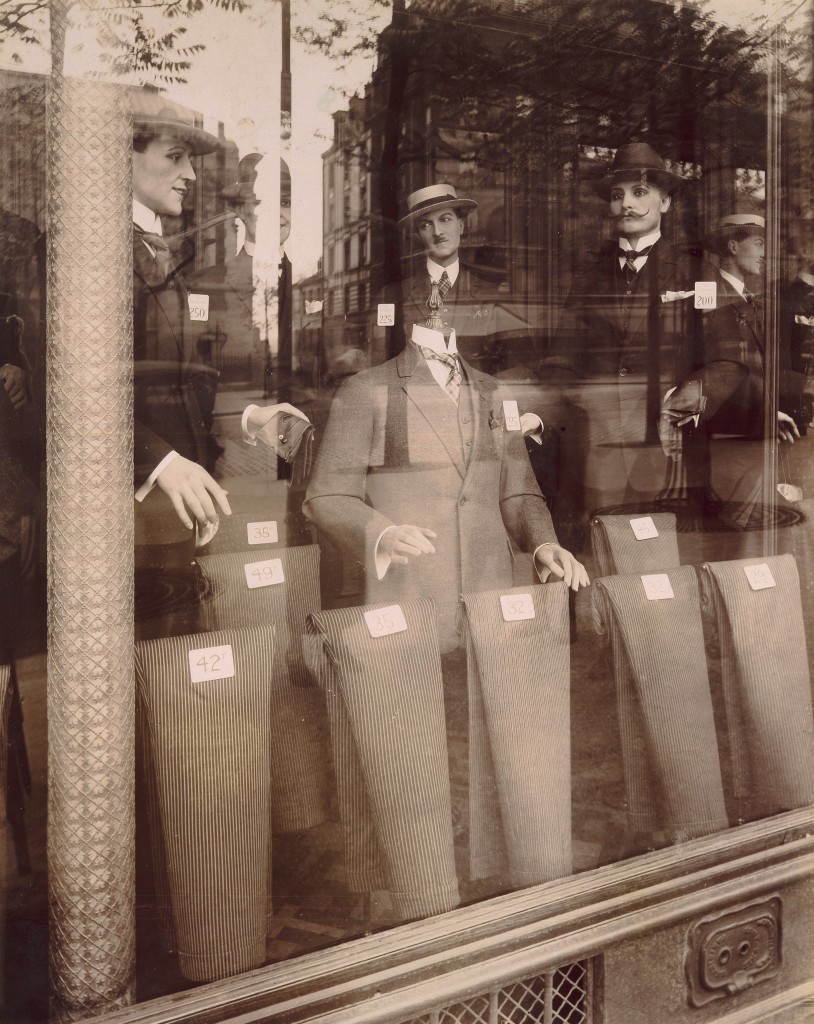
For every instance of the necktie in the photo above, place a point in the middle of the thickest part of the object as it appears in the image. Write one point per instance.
(757, 304)
(444, 285)
(159, 246)
(630, 256)
(452, 360)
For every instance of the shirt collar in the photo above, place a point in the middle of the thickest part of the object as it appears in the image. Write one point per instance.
(644, 241)
(435, 271)
(806, 277)
(434, 340)
(144, 218)
(737, 284)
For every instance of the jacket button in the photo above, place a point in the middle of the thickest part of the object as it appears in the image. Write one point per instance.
(462, 501)
(623, 370)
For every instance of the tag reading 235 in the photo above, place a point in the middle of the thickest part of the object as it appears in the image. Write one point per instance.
(264, 574)
(208, 663)
(511, 415)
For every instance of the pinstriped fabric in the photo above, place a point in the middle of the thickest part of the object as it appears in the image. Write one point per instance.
(300, 752)
(210, 754)
(663, 689)
(618, 551)
(766, 683)
(519, 700)
(386, 707)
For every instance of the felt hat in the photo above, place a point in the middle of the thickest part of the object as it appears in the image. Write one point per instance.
(242, 191)
(154, 112)
(434, 197)
(637, 161)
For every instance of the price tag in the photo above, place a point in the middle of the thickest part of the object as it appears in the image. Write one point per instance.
(262, 533)
(706, 294)
(644, 528)
(384, 621)
(658, 587)
(385, 314)
(198, 307)
(516, 607)
(759, 576)
(208, 663)
(511, 415)
(264, 574)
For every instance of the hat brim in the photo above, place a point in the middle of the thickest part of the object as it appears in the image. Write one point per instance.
(457, 204)
(200, 142)
(652, 175)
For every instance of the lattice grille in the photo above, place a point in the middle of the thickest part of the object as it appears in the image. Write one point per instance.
(555, 997)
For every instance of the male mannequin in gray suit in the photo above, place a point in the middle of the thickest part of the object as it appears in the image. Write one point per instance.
(422, 475)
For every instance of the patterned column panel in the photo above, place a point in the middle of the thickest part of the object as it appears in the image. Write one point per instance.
(90, 544)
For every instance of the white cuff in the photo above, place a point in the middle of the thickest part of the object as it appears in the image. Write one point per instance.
(534, 432)
(149, 483)
(543, 572)
(248, 436)
(381, 560)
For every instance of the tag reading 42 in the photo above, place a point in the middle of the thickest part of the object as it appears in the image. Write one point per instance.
(208, 663)
(264, 574)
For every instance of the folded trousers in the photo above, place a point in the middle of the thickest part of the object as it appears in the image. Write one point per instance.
(386, 710)
(520, 735)
(668, 740)
(766, 684)
(207, 749)
(298, 727)
(618, 551)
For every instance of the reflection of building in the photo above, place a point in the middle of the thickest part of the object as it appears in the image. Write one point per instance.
(307, 313)
(346, 233)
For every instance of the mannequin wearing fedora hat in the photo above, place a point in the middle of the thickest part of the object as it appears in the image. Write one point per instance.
(173, 394)
(626, 333)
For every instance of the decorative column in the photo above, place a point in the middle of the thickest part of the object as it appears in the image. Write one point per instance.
(90, 542)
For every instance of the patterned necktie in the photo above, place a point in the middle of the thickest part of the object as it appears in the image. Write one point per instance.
(630, 256)
(756, 304)
(159, 246)
(452, 360)
(444, 285)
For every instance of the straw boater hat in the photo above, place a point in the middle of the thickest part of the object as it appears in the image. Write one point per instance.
(637, 161)
(732, 226)
(433, 197)
(153, 112)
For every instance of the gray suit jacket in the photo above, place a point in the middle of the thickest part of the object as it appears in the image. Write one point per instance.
(394, 452)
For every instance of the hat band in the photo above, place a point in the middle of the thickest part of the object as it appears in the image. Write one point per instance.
(435, 201)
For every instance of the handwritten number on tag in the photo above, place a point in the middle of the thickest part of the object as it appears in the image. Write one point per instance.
(516, 607)
(384, 621)
(208, 663)
(262, 533)
(760, 576)
(706, 294)
(198, 307)
(511, 415)
(658, 587)
(264, 574)
(385, 314)
(644, 528)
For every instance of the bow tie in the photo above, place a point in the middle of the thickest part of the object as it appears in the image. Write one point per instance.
(630, 255)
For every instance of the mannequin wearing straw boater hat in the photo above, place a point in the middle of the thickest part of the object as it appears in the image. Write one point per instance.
(437, 217)
(629, 324)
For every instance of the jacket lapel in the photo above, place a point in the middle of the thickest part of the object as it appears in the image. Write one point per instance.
(483, 393)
